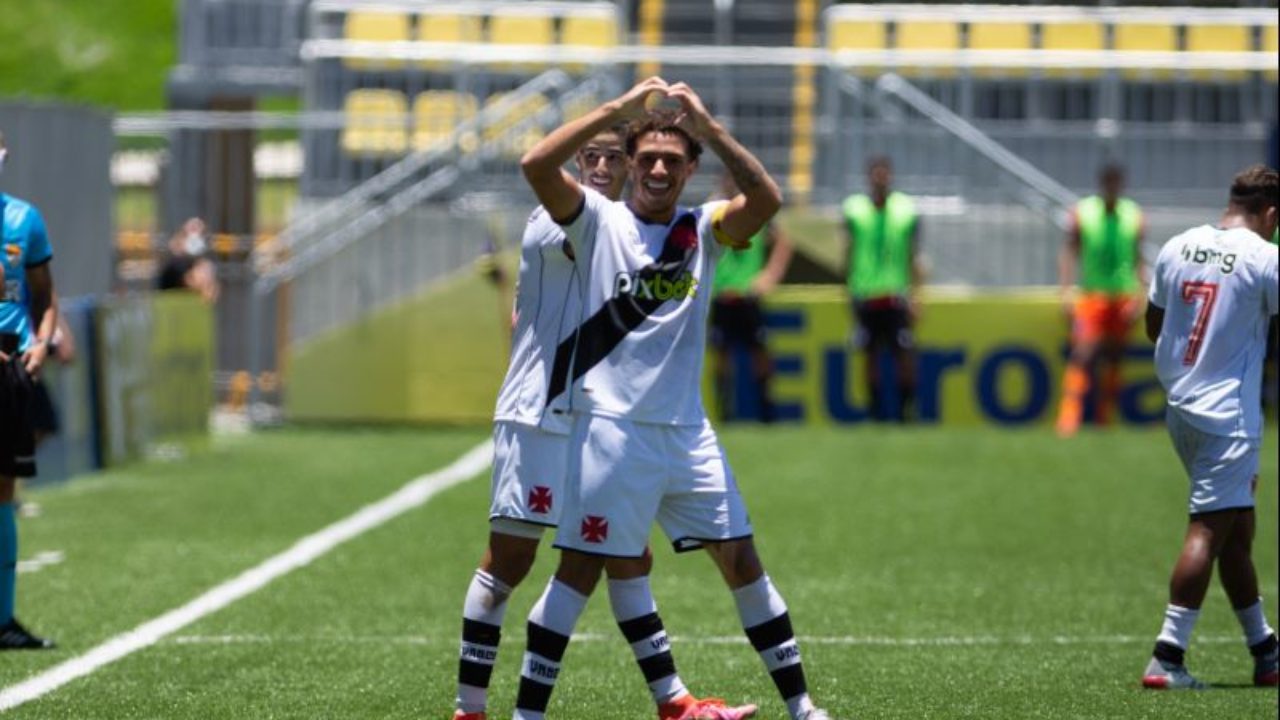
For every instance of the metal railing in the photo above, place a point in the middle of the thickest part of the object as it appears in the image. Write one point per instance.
(402, 230)
(320, 220)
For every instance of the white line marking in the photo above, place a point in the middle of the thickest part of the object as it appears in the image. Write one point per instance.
(416, 493)
(869, 641)
(41, 561)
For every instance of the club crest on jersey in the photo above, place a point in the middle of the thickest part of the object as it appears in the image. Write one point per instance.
(655, 287)
(13, 253)
(685, 233)
(595, 529)
(541, 499)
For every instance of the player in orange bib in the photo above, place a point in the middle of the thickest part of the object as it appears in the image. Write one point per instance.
(1104, 246)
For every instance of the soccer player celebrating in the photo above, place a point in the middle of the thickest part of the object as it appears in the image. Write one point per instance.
(23, 348)
(531, 450)
(643, 448)
(1212, 295)
(1105, 241)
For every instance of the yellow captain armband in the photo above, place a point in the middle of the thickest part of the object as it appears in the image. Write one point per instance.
(722, 237)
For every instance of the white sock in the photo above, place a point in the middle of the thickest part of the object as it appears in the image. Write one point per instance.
(482, 613)
(1254, 623)
(1178, 624)
(637, 615)
(486, 599)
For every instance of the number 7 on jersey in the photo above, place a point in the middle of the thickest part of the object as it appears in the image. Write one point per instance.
(1206, 293)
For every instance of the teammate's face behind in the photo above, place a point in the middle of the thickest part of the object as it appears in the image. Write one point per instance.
(603, 165)
(660, 167)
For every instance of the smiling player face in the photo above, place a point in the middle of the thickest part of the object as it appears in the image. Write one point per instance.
(603, 164)
(659, 170)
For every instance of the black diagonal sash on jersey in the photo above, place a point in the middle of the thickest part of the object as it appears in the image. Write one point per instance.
(595, 338)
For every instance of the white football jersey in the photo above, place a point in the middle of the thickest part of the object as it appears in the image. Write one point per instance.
(546, 310)
(646, 293)
(1218, 289)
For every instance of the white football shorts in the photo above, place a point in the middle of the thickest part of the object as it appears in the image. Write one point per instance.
(624, 475)
(529, 468)
(1223, 470)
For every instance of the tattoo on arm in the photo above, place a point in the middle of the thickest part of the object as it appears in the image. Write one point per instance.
(746, 170)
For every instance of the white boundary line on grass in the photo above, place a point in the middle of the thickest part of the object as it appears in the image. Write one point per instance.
(414, 494)
(865, 641)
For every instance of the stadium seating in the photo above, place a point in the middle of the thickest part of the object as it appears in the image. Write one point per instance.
(447, 28)
(376, 122)
(1145, 35)
(376, 27)
(436, 113)
(495, 130)
(1000, 35)
(521, 26)
(1072, 35)
(597, 30)
(858, 34)
(1271, 44)
(1218, 38)
(928, 34)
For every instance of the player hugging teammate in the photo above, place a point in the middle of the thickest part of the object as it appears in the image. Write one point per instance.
(617, 364)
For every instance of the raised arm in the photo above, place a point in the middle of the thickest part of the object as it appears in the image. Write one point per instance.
(543, 165)
(758, 198)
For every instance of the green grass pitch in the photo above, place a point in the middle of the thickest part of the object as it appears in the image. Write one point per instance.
(930, 573)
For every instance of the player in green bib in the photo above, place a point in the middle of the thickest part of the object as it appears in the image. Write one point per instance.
(1104, 247)
(742, 278)
(883, 277)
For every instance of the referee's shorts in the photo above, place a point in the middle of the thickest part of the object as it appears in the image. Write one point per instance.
(17, 437)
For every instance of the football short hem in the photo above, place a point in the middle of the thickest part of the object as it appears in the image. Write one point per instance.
(1235, 508)
(609, 556)
(525, 520)
(514, 528)
(690, 544)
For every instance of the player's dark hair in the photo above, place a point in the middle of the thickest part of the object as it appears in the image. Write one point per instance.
(1112, 170)
(879, 161)
(621, 129)
(661, 125)
(1255, 189)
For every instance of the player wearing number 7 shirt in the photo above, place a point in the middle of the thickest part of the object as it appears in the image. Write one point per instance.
(1213, 294)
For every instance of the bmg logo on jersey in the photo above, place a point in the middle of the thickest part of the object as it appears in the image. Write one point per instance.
(1226, 262)
(655, 287)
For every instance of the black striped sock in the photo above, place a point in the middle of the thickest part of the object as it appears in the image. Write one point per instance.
(479, 653)
(541, 668)
(652, 648)
(776, 643)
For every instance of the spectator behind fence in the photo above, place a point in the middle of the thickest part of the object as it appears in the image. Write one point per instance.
(884, 276)
(189, 266)
(743, 277)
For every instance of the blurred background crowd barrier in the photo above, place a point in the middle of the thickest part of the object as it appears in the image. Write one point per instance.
(355, 160)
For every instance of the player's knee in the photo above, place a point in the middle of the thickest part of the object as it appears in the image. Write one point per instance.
(738, 562)
(580, 571)
(630, 568)
(511, 559)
